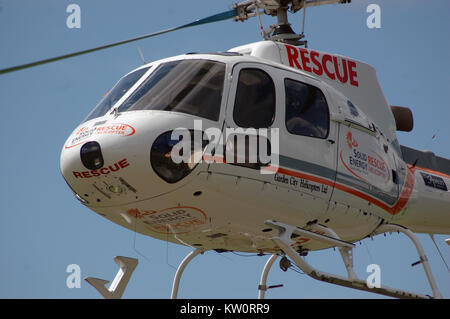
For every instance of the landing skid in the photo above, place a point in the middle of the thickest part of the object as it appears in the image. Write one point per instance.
(284, 242)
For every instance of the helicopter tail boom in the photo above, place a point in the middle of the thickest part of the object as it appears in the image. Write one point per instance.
(429, 208)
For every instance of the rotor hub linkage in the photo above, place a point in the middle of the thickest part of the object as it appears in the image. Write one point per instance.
(282, 30)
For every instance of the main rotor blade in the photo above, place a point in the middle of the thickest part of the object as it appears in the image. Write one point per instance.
(214, 18)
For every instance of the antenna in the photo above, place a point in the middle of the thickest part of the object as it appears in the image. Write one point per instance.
(142, 56)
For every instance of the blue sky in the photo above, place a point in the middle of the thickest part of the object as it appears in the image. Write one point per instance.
(43, 228)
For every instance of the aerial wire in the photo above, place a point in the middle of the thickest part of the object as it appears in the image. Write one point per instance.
(368, 252)
(167, 249)
(439, 251)
(249, 255)
(431, 140)
(134, 242)
(426, 147)
(224, 256)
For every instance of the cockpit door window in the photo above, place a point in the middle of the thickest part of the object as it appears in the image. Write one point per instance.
(255, 99)
(306, 110)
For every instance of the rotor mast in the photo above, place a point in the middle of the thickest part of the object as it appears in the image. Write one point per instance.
(282, 30)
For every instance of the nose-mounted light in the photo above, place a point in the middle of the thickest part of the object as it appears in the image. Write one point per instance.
(91, 156)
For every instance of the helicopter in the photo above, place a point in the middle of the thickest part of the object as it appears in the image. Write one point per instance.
(358, 145)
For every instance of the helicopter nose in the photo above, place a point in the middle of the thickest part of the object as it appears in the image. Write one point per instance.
(110, 169)
(116, 164)
(98, 176)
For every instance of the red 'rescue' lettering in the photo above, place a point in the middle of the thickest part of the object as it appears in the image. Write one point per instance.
(102, 171)
(334, 67)
(381, 165)
(77, 174)
(114, 168)
(293, 56)
(123, 163)
(327, 58)
(86, 174)
(316, 62)
(95, 173)
(343, 78)
(352, 73)
(305, 60)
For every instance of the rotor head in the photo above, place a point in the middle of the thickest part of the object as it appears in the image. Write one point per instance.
(282, 30)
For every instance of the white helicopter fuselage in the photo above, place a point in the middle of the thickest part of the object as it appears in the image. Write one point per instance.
(349, 177)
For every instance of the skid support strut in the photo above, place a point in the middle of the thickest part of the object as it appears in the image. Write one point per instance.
(284, 241)
(262, 284)
(115, 291)
(423, 258)
(181, 267)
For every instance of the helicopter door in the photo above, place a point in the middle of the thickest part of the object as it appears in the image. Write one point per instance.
(301, 140)
(250, 115)
(366, 164)
(308, 139)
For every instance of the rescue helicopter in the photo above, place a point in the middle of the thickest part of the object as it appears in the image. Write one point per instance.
(270, 147)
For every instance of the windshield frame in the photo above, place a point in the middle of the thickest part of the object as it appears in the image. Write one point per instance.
(157, 65)
(151, 68)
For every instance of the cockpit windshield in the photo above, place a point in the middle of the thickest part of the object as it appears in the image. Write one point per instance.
(187, 86)
(116, 93)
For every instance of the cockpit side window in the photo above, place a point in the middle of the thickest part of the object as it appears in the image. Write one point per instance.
(116, 93)
(306, 110)
(255, 99)
(188, 86)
